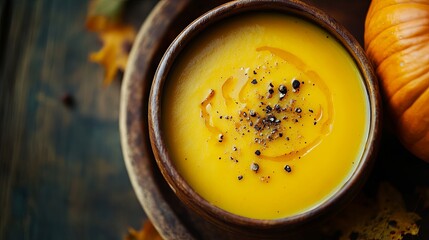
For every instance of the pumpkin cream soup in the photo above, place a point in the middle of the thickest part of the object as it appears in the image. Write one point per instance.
(265, 115)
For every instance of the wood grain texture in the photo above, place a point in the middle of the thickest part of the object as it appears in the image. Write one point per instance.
(144, 179)
(61, 170)
(62, 174)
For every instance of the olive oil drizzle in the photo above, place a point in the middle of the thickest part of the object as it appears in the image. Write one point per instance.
(322, 117)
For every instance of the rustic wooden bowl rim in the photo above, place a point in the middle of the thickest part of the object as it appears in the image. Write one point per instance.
(215, 214)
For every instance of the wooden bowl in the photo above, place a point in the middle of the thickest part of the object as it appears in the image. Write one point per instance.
(239, 225)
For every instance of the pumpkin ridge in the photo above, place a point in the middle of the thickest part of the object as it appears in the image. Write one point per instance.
(409, 54)
(411, 94)
(377, 6)
(396, 40)
(415, 129)
(407, 40)
(420, 148)
(392, 14)
(379, 22)
(416, 145)
(405, 73)
(384, 67)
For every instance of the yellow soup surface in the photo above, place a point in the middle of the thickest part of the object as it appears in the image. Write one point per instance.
(265, 115)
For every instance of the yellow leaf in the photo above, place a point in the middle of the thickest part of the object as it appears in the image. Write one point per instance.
(113, 55)
(147, 233)
(117, 37)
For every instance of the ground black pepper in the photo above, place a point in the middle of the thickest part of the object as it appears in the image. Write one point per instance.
(295, 84)
(265, 123)
(282, 89)
(220, 138)
(252, 113)
(254, 167)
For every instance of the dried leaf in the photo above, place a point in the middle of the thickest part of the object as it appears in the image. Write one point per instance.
(113, 56)
(148, 232)
(117, 37)
(386, 218)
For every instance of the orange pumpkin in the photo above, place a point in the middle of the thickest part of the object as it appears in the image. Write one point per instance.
(397, 42)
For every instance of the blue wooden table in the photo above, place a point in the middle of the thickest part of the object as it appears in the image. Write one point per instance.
(62, 174)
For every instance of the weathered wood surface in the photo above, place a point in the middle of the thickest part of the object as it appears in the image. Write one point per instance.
(62, 174)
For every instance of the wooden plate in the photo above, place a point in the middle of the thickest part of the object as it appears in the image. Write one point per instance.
(168, 18)
(169, 216)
